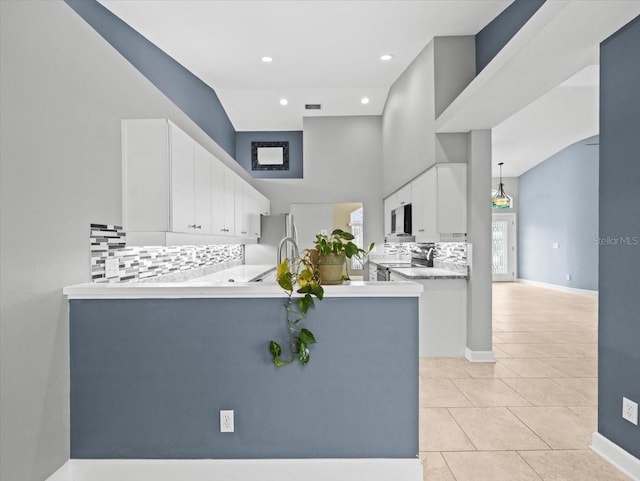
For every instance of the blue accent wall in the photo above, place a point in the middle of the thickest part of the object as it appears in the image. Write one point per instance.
(559, 204)
(619, 304)
(243, 153)
(497, 33)
(188, 92)
(149, 377)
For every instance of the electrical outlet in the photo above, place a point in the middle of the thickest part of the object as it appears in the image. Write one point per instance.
(112, 267)
(568, 277)
(226, 421)
(555, 245)
(630, 410)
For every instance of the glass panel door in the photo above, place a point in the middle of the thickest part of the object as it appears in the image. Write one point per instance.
(503, 250)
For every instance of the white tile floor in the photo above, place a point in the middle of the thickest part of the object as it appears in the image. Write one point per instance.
(529, 416)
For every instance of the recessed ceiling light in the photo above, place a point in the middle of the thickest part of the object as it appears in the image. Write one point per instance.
(386, 57)
(284, 101)
(365, 100)
(267, 59)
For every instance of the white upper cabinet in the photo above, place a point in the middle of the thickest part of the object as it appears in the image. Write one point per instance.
(223, 199)
(388, 202)
(171, 184)
(399, 198)
(439, 205)
(203, 189)
(264, 204)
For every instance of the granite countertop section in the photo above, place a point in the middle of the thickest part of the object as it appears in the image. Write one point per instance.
(417, 273)
(242, 273)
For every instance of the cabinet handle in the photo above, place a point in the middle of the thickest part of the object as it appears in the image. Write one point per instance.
(242, 232)
(191, 226)
(198, 227)
(402, 203)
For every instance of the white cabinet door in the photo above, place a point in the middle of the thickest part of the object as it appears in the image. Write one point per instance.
(403, 196)
(203, 162)
(253, 212)
(241, 207)
(222, 200)
(182, 181)
(417, 205)
(264, 204)
(430, 205)
(452, 198)
(387, 216)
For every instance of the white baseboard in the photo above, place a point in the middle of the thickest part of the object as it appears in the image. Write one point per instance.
(479, 356)
(618, 457)
(239, 470)
(557, 287)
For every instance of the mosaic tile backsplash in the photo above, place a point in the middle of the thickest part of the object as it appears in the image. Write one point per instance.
(450, 252)
(149, 263)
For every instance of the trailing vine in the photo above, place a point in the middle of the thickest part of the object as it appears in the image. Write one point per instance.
(303, 273)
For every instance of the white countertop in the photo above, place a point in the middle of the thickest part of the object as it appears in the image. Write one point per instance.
(243, 273)
(192, 289)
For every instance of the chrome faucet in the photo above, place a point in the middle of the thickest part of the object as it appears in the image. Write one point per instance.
(285, 240)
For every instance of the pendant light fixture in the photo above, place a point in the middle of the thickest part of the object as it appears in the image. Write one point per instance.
(500, 200)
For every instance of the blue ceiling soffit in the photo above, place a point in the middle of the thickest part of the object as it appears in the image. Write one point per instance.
(195, 98)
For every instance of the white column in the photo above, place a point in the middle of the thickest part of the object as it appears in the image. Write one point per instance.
(479, 345)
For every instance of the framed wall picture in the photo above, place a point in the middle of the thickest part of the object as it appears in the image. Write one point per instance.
(269, 155)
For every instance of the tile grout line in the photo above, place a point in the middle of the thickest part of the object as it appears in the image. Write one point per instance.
(529, 427)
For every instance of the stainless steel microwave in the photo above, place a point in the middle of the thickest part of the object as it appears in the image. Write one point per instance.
(401, 220)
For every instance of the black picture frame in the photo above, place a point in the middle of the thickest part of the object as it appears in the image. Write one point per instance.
(255, 165)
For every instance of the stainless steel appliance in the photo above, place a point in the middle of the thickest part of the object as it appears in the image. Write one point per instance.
(422, 255)
(401, 220)
(274, 228)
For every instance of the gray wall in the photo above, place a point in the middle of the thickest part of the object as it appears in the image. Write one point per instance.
(149, 377)
(497, 33)
(559, 204)
(342, 163)
(619, 304)
(64, 90)
(428, 85)
(243, 153)
(187, 91)
(479, 300)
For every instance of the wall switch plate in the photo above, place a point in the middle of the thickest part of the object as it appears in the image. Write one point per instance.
(112, 267)
(630, 410)
(568, 277)
(226, 421)
(555, 245)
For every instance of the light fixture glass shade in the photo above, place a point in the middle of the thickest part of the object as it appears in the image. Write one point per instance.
(499, 198)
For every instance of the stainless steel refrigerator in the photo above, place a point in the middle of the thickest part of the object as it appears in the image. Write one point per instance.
(273, 229)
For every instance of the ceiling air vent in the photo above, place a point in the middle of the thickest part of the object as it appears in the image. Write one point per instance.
(312, 106)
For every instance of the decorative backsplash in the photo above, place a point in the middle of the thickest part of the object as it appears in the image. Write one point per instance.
(398, 248)
(148, 263)
(453, 252)
(450, 252)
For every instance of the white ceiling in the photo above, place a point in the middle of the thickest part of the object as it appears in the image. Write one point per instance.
(324, 52)
(563, 116)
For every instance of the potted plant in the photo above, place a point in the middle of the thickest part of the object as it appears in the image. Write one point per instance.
(332, 253)
(303, 273)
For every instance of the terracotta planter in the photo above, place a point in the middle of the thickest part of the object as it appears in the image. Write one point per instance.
(332, 268)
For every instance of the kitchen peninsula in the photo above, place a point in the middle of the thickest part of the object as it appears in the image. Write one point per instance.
(152, 364)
